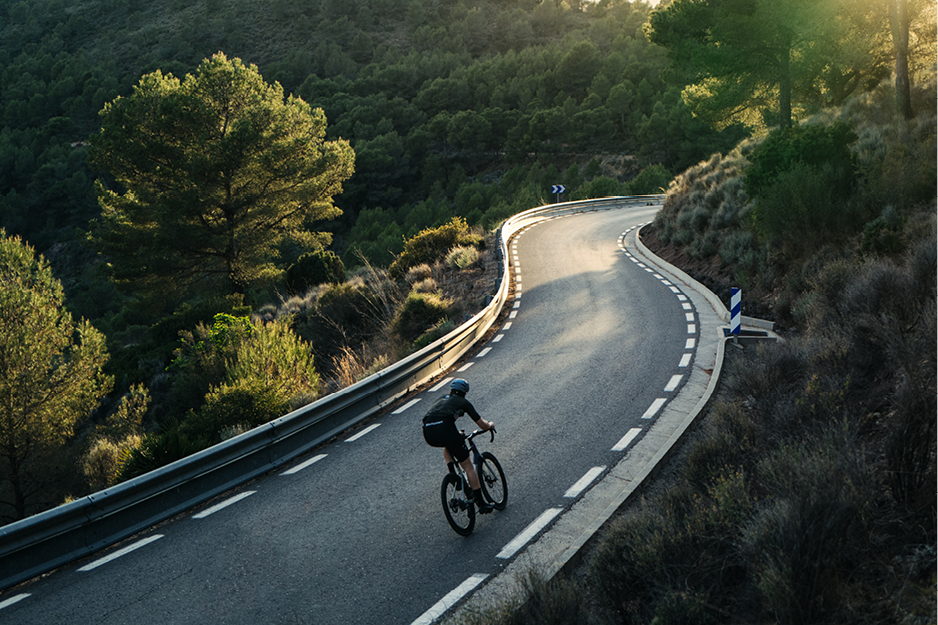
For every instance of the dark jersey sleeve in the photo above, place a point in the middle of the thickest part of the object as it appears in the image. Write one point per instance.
(468, 408)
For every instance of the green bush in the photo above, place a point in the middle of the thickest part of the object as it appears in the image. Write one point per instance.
(314, 268)
(432, 245)
(803, 545)
(419, 313)
(801, 210)
(159, 449)
(462, 257)
(651, 180)
(813, 146)
(102, 464)
(438, 331)
(346, 314)
(602, 186)
(269, 369)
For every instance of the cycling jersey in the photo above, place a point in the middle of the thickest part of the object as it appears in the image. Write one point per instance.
(439, 425)
(448, 409)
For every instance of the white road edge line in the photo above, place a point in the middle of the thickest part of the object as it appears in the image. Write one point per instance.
(303, 465)
(685, 360)
(362, 433)
(582, 483)
(224, 504)
(12, 600)
(528, 533)
(121, 552)
(483, 352)
(451, 599)
(626, 440)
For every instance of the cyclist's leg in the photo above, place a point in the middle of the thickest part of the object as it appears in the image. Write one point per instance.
(471, 474)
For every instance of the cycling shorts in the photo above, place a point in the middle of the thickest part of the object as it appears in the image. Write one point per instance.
(445, 434)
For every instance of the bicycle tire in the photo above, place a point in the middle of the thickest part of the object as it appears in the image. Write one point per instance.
(460, 512)
(492, 480)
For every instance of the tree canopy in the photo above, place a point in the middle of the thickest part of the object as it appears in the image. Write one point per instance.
(50, 374)
(217, 171)
(765, 61)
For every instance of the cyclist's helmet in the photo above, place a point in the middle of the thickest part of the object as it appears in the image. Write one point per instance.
(459, 385)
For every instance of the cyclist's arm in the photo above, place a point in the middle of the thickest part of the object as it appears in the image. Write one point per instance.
(475, 416)
(485, 425)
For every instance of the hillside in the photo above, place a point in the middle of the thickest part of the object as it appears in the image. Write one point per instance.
(805, 493)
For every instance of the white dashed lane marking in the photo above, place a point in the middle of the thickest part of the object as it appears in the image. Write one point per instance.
(221, 506)
(121, 552)
(626, 440)
(362, 433)
(654, 408)
(406, 406)
(8, 602)
(451, 599)
(528, 533)
(582, 483)
(673, 383)
(303, 465)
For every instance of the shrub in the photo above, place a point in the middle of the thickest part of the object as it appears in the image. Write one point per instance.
(200, 361)
(558, 601)
(651, 180)
(349, 313)
(420, 312)
(246, 404)
(462, 257)
(602, 186)
(418, 273)
(438, 331)
(432, 244)
(159, 449)
(314, 268)
(102, 464)
(801, 210)
(269, 367)
(802, 545)
(812, 146)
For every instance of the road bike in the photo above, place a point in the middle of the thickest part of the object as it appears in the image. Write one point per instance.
(456, 493)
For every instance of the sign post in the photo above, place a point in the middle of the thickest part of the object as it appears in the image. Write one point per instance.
(558, 189)
(736, 308)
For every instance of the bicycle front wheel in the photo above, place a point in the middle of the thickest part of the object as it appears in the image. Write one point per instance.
(492, 480)
(460, 512)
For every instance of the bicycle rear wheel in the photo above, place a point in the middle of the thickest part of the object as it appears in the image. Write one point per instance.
(492, 480)
(460, 512)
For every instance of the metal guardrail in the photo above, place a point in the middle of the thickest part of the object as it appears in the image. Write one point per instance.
(53, 538)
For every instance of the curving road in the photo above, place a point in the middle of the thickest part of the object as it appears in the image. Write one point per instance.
(354, 533)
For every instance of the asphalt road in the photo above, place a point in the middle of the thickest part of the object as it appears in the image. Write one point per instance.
(354, 533)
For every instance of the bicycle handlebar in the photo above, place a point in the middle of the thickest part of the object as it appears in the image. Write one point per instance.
(476, 432)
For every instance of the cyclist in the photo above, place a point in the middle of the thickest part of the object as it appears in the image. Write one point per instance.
(439, 430)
